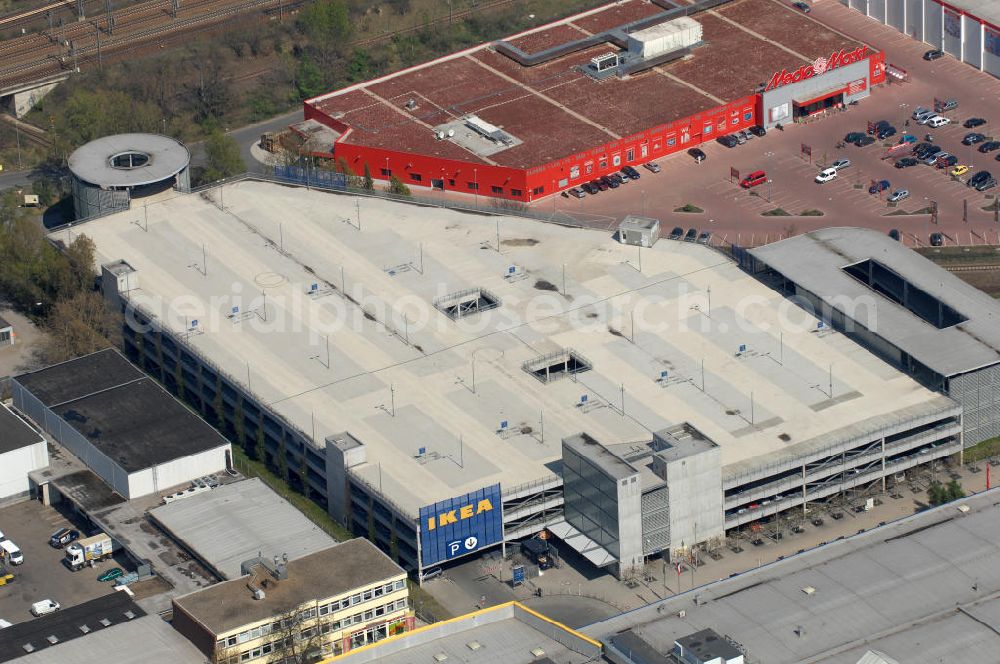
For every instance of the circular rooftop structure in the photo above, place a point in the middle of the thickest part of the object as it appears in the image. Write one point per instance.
(109, 172)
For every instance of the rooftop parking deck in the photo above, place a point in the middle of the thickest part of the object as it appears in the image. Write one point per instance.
(688, 337)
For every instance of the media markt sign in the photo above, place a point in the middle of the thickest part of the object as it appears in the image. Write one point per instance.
(460, 525)
(818, 67)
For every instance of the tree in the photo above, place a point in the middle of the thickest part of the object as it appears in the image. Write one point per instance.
(258, 448)
(955, 490)
(368, 183)
(309, 80)
(327, 23)
(222, 157)
(282, 460)
(79, 325)
(397, 187)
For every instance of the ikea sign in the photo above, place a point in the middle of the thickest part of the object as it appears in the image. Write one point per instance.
(460, 525)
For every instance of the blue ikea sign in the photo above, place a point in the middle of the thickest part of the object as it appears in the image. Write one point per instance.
(460, 525)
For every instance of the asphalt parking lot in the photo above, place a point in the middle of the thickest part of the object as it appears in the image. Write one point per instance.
(43, 576)
(733, 214)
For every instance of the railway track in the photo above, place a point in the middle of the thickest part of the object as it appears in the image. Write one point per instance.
(30, 132)
(971, 268)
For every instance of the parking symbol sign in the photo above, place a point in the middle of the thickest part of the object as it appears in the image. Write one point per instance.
(462, 546)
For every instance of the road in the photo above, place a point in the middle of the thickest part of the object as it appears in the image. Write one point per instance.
(245, 136)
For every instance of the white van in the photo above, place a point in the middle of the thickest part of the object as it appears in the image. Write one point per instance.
(14, 553)
(938, 121)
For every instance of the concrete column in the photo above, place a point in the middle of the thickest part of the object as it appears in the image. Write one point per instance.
(803, 490)
(883, 463)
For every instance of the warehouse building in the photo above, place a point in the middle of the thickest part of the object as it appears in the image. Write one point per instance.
(120, 423)
(22, 450)
(419, 384)
(565, 103)
(966, 29)
(913, 314)
(326, 603)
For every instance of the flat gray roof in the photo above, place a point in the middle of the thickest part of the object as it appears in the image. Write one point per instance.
(814, 261)
(924, 589)
(233, 523)
(588, 448)
(92, 162)
(504, 634)
(145, 640)
(399, 373)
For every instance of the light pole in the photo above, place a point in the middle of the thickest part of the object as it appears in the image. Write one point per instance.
(387, 171)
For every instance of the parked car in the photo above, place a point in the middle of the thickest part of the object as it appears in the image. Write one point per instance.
(973, 138)
(12, 552)
(651, 167)
(62, 537)
(677, 233)
(44, 607)
(925, 152)
(864, 141)
(886, 132)
(921, 146)
(933, 54)
(802, 7)
(704, 237)
(853, 136)
(923, 116)
(981, 176)
(622, 176)
(840, 164)
(747, 134)
(894, 234)
(600, 184)
(938, 121)
(988, 183)
(989, 146)
(898, 195)
(972, 123)
(111, 574)
(909, 139)
(931, 158)
(961, 169)
(632, 172)
(946, 160)
(610, 181)
(936, 241)
(945, 105)
(879, 187)
(698, 155)
(576, 192)
(906, 162)
(691, 235)
(878, 126)
(728, 140)
(617, 177)
(757, 130)
(826, 175)
(918, 111)
(590, 188)
(754, 179)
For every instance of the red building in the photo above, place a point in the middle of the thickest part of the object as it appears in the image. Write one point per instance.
(623, 84)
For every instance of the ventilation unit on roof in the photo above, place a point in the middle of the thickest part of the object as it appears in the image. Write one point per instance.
(559, 364)
(411, 104)
(439, 135)
(603, 62)
(487, 130)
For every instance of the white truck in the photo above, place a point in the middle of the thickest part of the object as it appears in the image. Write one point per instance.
(88, 551)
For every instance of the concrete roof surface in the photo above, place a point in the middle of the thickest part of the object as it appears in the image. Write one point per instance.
(235, 522)
(815, 260)
(921, 590)
(398, 374)
(91, 162)
(146, 640)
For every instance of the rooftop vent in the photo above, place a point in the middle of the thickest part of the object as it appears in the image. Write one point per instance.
(440, 657)
(129, 615)
(809, 590)
(559, 364)
(258, 594)
(28, 647)
(473, 645)
(411, 104)
(52, 638)
(537, 652)
(84, 629)
(466, 303)
(105, 622)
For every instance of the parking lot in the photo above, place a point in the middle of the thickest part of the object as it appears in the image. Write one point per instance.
(733, 214)
(43, 576)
